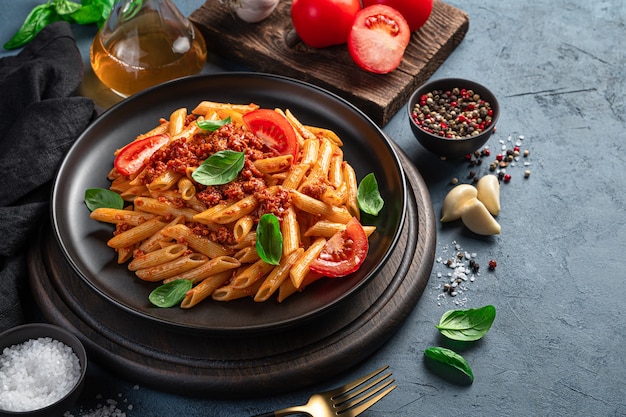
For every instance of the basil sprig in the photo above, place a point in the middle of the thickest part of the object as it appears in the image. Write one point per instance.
(368, 196)
(102, 198)
(83, 13)
(269, 239)
(213, 125)
(170, 294)
(220, 168)
(450, 361)
(467, 325)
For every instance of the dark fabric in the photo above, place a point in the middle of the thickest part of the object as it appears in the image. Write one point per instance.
(40, 118)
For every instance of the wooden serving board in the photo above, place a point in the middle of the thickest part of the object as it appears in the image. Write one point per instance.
(271, 46)
(194, 363)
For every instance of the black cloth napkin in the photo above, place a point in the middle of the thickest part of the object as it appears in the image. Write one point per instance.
(40, 118)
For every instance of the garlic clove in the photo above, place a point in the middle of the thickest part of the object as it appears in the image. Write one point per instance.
(455, 200)
(489, 193)
(254, 11)
(477, 218)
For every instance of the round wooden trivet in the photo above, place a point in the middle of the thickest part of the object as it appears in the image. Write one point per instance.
(192, 363)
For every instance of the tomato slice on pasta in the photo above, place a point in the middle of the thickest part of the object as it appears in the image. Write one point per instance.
(132, 157)
(274, 130)
(344, 252)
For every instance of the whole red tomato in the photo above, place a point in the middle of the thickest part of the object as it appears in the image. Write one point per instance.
(415, 12)
(321, 23)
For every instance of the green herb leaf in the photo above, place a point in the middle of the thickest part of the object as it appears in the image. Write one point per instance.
(368, 196)
(36, 20)
(102, 198)
(170, 294)
(220, 168)
(451, 360)
(467, 325)
(213, 125)
(269, 239)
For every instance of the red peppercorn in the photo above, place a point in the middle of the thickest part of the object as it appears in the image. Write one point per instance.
(492, 264)
(507, 177)
(499, 157)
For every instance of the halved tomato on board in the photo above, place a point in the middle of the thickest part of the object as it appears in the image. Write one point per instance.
(132, 157)
(344, 252)
(274, 130)
(378, 38)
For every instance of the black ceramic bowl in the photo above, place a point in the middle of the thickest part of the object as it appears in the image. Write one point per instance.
(21, 334)
(466, 143)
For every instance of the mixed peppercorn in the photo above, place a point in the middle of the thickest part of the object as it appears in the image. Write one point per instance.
(454, 114)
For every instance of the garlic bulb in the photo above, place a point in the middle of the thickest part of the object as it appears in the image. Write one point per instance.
(488, 188)
(252, 11)
(477, 218)
(455, 200)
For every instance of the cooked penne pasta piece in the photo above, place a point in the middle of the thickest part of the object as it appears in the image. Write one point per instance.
(274, 164)
(326, 133)
(299, 127)
(165, 181)
(242, 227)
(229, 293)
(314, 206)
(212, 267)
(287, 288)
(294, 176)
(171, 268)
(247, 255)
(157, 257)
(335, 171)
(117, 216)
(351, 192)
(204, 289)
(152, 205)
(156, 241)
(186, 188)
(310, 150)
(301, 267)
(277, 276)
(251, 274)
(177, 121)
(290, 231)
(206, 107)
(136, 234)
(184, 234)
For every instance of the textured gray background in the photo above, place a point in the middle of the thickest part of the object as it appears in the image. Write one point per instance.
(557, 347)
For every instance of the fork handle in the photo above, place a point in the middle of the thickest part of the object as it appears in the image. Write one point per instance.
(284, 412)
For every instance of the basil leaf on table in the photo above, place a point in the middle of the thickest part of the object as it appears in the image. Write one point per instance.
(220, 168)
(368, 196)
(467, 325)
(213, 125)
(170, 294)
(102, 198)
(269, 239)
(450, 360)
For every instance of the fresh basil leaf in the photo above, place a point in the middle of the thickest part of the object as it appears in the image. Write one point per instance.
(467, 325)
(65, 7)
(220, 168)
(90, 13)
(269, 239)
(213, 125)
(451, 361)
(36, 20)
(170, 294)
(368, 196)
(101, 197)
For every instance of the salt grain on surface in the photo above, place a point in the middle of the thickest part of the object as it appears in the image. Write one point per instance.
(36, 374)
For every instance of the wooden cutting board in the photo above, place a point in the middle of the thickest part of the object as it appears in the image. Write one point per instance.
(271, 46)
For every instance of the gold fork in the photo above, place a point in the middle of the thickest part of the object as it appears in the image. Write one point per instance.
(349, 400)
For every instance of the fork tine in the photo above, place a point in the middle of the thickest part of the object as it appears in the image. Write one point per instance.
(355, 411)
(351, 385)
(355, 397)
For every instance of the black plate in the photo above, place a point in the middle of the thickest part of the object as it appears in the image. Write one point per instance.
(86, 166)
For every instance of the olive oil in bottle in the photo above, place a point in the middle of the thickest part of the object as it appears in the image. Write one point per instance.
(144, 43)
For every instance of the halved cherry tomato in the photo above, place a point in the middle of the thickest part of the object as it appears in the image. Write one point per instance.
(132, 157)
(378, 39)
(321, 23)
(344, 252)
(416, 12)
(274, 130)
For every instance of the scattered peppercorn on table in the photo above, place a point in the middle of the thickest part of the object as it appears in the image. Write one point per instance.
(553, 273)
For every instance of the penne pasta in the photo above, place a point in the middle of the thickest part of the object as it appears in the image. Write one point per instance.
(275, 278)
(171, 268)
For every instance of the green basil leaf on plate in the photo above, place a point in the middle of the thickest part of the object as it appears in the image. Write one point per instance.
(467, 325)
(368, 195)
(269, 239)
(170, 294)
(220, 168)
(212, 125)
(103, 198)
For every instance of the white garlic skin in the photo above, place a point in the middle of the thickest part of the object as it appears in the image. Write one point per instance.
(455, 200)
(477, 218)
(254, 11)
(489, 193)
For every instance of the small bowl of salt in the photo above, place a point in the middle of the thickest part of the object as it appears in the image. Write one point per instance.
(42, 370)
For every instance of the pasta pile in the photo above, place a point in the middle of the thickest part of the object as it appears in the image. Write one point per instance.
(170, 232)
